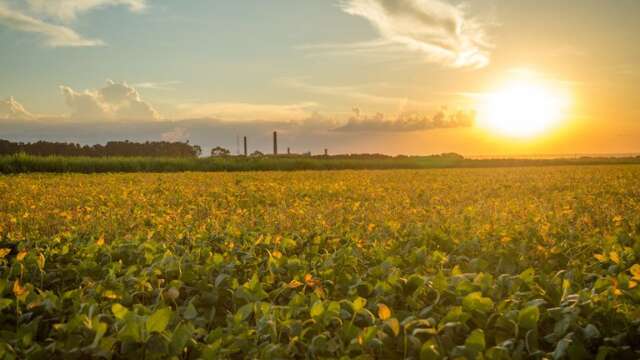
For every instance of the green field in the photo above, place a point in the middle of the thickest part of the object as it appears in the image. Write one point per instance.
(21, 163)
(501, 263)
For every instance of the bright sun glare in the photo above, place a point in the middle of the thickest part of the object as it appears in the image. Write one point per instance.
(522, 108)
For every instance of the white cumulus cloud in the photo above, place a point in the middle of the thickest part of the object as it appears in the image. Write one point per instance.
(441, 31)
(115, 101)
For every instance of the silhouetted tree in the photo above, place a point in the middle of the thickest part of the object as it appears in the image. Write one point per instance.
(112, 148)
(220, 151)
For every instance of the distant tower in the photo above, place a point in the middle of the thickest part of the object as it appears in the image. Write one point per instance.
(275, 143)
(245, 146)
(288, 151)
(326, 152)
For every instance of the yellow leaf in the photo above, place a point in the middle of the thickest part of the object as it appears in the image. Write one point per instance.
(294, 284)
(635, 272)
(108, 294)
(394, 325)
(41, 261)
(384, 312)
(614, 257)
(632, 284)
(456, 271)
(100, 240)
(18, 289)
(601, 257)
(21, 255)
(617, 292)
(276, 254)
(4, 252)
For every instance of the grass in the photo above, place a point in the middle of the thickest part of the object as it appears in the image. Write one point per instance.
(21, 163)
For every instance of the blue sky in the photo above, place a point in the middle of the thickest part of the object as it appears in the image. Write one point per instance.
(405, 72)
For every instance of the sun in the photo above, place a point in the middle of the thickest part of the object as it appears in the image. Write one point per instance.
(522, 108)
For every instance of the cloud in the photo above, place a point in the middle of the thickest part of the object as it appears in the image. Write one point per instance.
(407, 122)
(11, 109)
(50, 18)
(238, 111)
(54, 35)
(116, 101)
(176, 134)
(439, 30)
(165, 85)
(68, 10)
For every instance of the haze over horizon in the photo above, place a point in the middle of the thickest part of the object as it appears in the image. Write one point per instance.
(479, 77)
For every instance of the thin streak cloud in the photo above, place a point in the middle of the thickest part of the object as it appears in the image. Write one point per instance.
(54, 35)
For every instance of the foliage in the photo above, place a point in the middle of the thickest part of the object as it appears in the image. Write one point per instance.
(220, 151)
(22, 163)
(111, 148)
(422, 264)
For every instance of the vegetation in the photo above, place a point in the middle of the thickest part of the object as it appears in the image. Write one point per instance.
(425, 264)
(22, 163)
(112, 148)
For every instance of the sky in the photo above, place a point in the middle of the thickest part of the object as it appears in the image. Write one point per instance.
(477, 77)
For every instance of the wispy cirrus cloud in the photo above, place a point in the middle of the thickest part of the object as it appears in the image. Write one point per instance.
(51, 18)
(54, 35)
(68, 10)
(163, 85)
(441, 32)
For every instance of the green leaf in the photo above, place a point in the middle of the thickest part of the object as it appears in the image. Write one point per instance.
(101, 329)
(181, 335)
(119, 311)
(430, 350)
(528, 275)
(528, 317)
(158, 321)
(359, 304)
(439, 282)
(591, 332)
(244, 312)
(475, 301)
(561, 349)
(4, 303)
(475, 342)
(190, 312)
(131, 331)
(317, 309)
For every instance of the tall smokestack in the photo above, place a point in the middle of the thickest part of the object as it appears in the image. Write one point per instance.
(245, 146)
(275, 143)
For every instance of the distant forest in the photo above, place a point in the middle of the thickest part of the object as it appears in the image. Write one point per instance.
(112, 148)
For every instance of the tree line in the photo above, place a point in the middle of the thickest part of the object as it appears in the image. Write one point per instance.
(112, 148)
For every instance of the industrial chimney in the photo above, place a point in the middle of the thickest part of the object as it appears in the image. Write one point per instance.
(245, 146)
(275, 143)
